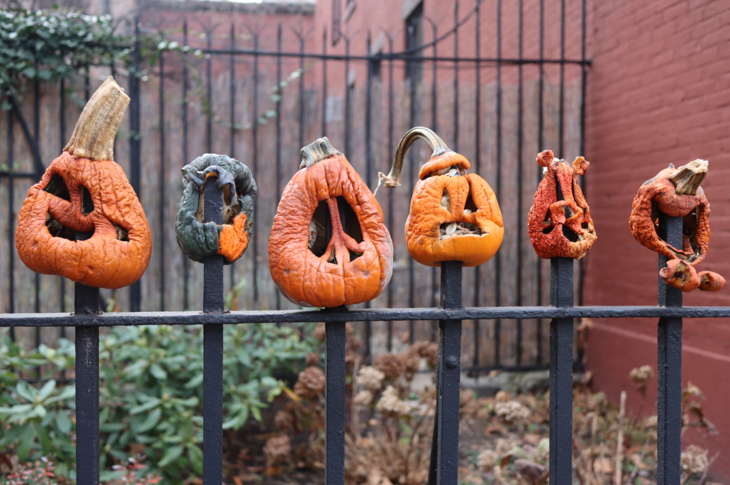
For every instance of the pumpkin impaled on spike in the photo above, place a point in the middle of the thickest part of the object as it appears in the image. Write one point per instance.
(83, 220)
(329, 245)
(454, 215)
(559, 222)
(677, 193)
(199, 239)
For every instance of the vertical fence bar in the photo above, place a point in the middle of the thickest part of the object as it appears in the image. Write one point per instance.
(369, 165)
(669, 398)
(86, 302)
(411, 70)
(162, 180)
(541, 141)
(391, 194)
(347, 96)
(255, 164)
(498, 185)
(561, 373)
(278, 133)
(335, 341)
(434, 127)
(324, 84)
(232, 149)
(185, 103)
(583, 69)
(477, 166)
(62, 143)
(519, 180)
(301, 90)
(561, 111)
(36, 137)
(11, 219)
(135, 290)
(444, 466)
(213, 348)
(209, 93)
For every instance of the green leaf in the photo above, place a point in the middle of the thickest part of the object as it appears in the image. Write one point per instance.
(150, 421)
(152, 403)
(25, 391)
(158, 372)
(26, 441)
(43, 435)
(172, 454)
(62, 421)
(196, 458)
(195, 381)
(13, 433)
(47, 389)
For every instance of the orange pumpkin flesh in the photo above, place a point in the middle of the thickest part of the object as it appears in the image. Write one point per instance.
(454, 216)
(344, 270)
(52, 216)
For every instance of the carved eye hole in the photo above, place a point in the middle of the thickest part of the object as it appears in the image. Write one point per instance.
(57, 187)
(320, 228)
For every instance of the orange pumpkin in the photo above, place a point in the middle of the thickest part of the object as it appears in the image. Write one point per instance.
(329, 246)
(454, 215)
(55, 222)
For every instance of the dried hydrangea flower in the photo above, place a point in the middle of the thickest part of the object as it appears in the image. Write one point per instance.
(510, 411)
(370, 378)
(391, 365)
(277, 449)
(487, 460)
(694, 459)
(363, 398)
(641, 374)
(391, 404)
(311, 383)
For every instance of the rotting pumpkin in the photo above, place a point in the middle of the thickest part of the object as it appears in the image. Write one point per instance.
(677, 193)
(83, 220)
(559, 222)
(454, 215)
(199, 239)
(329, 245)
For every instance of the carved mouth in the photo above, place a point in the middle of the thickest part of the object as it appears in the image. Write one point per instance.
(452, 229)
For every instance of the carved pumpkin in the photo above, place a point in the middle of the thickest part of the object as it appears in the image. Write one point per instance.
(58, 214)
(560, 227)
(677, 193)
(454, 215)
(199, 239)
(329, 246)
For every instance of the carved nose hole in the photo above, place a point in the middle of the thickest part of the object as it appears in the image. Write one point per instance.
(57, 187)
(470, 205)
(57, 230)
(87, 205)
(569, 234)
(350, 224)
(320, 229)
(446, 200)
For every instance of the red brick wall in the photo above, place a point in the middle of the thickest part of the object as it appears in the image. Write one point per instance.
(658, 92)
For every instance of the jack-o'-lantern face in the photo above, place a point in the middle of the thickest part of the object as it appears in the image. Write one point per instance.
(454, 215)
(83, 220)
(199, 239)
(677, 193)
(560, 226)
(329, 245)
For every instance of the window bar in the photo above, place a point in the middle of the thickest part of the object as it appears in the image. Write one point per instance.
(561, 373)
(135, 290)
(280, 93)
(162, 179)
(255, 167)
(669, 399)
(498, 186)
(391, 194)
(213, 347)
(186, 263)
(368, 167)
(86, 302)
(444, 466)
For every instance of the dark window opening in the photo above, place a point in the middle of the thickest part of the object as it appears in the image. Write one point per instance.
(414, 40)
(336, 19)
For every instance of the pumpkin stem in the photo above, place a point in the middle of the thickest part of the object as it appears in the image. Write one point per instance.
(315, 152)
(434, 141)
(94, 134)
(687, 178)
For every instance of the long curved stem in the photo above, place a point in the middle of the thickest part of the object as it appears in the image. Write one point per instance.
(434, 141)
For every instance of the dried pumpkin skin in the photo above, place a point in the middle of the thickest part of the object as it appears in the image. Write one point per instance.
(47, 239)
(677, 193)
(454, 216)
(548, 219)
(348, 271)
(199, 239)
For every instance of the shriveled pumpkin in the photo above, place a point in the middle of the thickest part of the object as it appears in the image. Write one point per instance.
(329, 245)
(677, 193)
(559, 222)
(83, 220)
(199, 239)
(454, 215)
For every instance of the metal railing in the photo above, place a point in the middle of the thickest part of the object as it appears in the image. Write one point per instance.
(87, 319)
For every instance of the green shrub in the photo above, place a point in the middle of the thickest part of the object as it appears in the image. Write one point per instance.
(151, 394)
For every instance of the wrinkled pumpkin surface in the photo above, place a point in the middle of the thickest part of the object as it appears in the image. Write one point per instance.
(118, 251)
(349, 271)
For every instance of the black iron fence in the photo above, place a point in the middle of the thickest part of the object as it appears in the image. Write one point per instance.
(214, 93)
